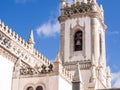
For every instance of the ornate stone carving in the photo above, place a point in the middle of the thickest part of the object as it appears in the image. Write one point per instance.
(7, 55)
(14, 44)
(77, 9)
(27, 70)
(84, 64)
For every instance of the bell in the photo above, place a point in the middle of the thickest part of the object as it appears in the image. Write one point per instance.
(78, 42)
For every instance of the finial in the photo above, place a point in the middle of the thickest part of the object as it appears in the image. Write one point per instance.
(102, 10)
(63, 3)
(31, 39)
(94, 1)
(58, 59)
(79, 1)
(101, 7)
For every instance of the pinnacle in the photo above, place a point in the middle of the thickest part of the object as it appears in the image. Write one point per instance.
(31, 38)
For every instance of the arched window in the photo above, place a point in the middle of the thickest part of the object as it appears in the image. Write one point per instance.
(30, 88)
(39, 88)
(78, 41)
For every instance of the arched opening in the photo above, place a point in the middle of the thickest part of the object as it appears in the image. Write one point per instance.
(30, 88)
(78, 41)
(39, 88)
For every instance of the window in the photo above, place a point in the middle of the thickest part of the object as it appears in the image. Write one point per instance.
(39, 88)
(78, 41)
(30, 88)
(100, 43)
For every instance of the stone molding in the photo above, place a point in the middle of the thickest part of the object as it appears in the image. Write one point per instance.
(84, 64)
(8, 55)
(90, 9)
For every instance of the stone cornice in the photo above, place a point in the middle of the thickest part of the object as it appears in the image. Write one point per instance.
(90, 9)
(8, 55)
(89, 14)
(84, 64)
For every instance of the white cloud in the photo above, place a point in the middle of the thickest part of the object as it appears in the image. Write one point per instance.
(49, 28)
(116, 79)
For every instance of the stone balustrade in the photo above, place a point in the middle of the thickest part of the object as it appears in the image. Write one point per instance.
(84, 64)
(66, 74)
(37, 70)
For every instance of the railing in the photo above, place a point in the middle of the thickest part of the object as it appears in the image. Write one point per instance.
(66, 74)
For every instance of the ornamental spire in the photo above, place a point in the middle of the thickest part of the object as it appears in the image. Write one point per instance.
(31, 39)
(77, 75)
(94, 1)
(63, 3)
(81, 1)
(77, 79)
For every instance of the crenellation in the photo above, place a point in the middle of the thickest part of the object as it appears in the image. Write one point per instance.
(3, 25)
(13, 34)
(25, 44)
(6, 28)
(39, 55)
(16, 37)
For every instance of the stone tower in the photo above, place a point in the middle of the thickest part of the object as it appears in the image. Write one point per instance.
(82, 40)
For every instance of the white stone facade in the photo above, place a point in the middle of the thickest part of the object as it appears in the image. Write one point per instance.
(81, 61)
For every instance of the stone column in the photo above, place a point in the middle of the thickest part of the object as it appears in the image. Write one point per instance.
(103, 49)
(93, 71)
(95, 39)
(62, 40)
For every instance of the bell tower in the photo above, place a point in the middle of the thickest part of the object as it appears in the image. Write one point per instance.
(82, 40)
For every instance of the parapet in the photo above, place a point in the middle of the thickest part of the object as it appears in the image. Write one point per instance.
(18, 47)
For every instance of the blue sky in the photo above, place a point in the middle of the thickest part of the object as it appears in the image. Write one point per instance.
(24, 15)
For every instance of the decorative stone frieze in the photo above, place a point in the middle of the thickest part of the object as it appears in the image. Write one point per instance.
(84, 64)
(7, 55)
(25, 69)
(14, 44)
(81, 9)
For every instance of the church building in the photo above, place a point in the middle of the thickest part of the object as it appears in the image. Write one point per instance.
(81, 61)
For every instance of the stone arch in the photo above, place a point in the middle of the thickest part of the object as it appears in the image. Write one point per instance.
(29, 86)
(78, 40)
(72, 33)
(40, 86)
